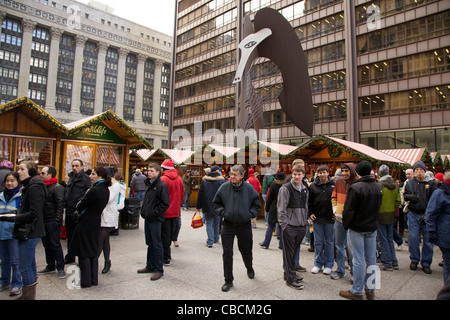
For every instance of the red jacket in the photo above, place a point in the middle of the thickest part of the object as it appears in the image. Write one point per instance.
(176, 192)
(254, 182)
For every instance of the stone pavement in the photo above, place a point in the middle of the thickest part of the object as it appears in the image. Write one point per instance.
(196, 273)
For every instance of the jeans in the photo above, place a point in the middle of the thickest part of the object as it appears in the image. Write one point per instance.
(446, 257)
(140, 195)
(266, 214)
(364, 249)
(268, 236)
(52, 245)
(155, 251)
(186, 199)
(27, 260)
(323, 245)
(9, 256)
(212, 222)
(415, 228)
(386, 238)
(340, 241)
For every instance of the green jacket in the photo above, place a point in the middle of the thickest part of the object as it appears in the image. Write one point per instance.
(390, 200)
(267, 181)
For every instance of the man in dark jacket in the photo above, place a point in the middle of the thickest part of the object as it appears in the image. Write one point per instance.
(77, 186)
(237, 202)
(53, 217)
(156, 202)
(418, 192)
(208, 188)
(360, 217)
(321, 214)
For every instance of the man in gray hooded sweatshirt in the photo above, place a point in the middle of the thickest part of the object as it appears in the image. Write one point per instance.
(292, 208)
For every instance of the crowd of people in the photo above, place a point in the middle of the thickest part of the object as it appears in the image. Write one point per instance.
(357, 215)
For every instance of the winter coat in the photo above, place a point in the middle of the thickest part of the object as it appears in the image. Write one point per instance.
(237, 204)
(362, 205)
(84, 243)
(267, 182)
(7, 228)
(34, 192)
(156, 200)
(54, 203)
(254, 182)
(390, 200)
(320, 200)
(272, 200)
(437, 216)
(208, 188)
(176, 192)
(75, 190)
(138, 182)
(3, 172)
(292, 205)
(418, 193)
(110, 215)
(187, 184)
(340, 191)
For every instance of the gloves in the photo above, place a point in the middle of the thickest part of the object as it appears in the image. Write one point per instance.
(412, 198)
(432, 237)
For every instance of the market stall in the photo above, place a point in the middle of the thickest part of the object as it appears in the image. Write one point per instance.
(334, 152)
(27, 132)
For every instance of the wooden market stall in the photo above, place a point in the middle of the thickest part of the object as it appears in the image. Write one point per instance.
(27, 132)
(334, 152)
(101, 140)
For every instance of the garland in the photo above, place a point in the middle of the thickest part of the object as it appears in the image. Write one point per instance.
(335, 152)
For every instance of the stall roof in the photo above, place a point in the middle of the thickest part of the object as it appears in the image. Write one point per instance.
(319, 143)
(443, 156)
(178, 156)
(407, 155)
(35, 113)
(115, 123)
(282, 149)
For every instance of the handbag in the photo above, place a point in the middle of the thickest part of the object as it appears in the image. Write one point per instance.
(197, 220)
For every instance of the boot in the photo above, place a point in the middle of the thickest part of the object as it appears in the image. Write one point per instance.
(28, 292)
(107, 267)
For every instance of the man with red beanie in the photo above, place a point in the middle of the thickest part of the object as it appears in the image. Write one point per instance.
(176, 192)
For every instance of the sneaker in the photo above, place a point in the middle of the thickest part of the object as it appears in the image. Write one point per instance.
(400, 247)
(300, 269)
(61, 274)
(335, 276)
(208, 245)
(166, 262)
(76, 285)
(46, 270)
(386, 268)
(395, 267)
(315, 270)
(14, 292)
(327, 271)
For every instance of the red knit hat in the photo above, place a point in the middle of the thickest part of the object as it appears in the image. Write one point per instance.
(167, 164)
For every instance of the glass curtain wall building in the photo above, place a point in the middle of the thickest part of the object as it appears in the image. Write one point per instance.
(379, 70)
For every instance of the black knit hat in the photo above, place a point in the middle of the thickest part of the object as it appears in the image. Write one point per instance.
(364, 168)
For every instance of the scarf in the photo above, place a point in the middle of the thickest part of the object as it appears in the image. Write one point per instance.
(9, 193)
(50, 181)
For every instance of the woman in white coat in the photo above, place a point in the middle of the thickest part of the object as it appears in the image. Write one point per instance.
(110, 218)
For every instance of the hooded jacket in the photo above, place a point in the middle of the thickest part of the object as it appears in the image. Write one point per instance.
(340, 190)
(208, 188)
(176, 192)
(237, 204)
(7, 228)
(110, 214)
(437, 216)
(253, 181)
(390, 201)
(418, 193)
(320, 200)
(138, 182)
(362, 205)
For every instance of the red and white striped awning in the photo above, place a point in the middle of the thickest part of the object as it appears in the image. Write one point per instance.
(443, 156)
(408, 155)
(144, 154)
